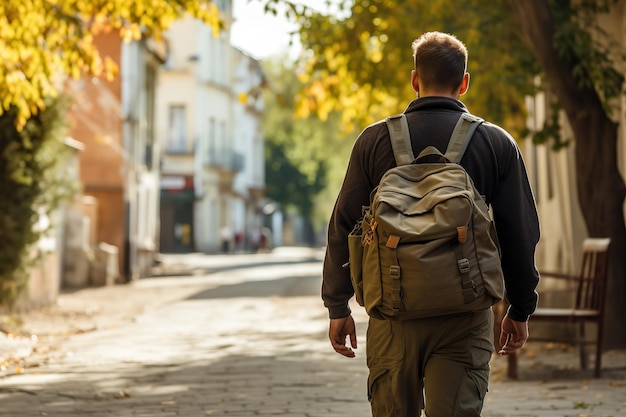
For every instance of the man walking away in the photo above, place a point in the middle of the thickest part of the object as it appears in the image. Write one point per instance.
(437, 364)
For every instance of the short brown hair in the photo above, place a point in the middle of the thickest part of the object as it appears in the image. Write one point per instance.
(440, 60)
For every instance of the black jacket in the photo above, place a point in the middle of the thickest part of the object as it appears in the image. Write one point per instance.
(494, 162)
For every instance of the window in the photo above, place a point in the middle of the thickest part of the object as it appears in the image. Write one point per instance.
(150, 99)
(223, 60)
(217, 63)
(223, 5)
(176, 129)
(211, 140)
(223, 134)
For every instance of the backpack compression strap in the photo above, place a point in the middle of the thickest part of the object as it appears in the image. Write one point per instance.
(401, 140)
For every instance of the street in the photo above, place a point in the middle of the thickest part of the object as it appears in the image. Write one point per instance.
(245, 342)
(239, 335)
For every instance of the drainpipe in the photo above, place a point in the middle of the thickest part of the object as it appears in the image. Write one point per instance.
(131, 62)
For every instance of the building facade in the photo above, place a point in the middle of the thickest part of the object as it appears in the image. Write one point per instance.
(248, 190)
(119, 166)
(212, 150)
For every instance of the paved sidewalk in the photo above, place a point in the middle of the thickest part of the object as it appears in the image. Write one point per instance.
(214, 341)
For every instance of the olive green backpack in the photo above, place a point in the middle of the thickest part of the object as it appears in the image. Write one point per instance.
(426, 246)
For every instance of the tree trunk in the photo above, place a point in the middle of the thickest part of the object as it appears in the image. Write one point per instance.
(601, 189)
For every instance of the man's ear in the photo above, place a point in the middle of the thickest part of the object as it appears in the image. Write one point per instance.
(415, 82)
(464, 84)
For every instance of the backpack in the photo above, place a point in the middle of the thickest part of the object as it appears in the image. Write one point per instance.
(426, 245)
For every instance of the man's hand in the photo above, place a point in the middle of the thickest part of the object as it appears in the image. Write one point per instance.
(338, 331)
(513, 335)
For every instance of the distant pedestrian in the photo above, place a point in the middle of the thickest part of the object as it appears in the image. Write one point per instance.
(265, 240)
(226, 236)
(254, 239)
(238, 240)
(438, 364)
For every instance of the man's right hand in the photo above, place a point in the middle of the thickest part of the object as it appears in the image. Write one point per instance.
(339, 331)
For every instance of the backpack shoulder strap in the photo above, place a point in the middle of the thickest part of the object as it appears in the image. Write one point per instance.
(461, 136)
(400, 139)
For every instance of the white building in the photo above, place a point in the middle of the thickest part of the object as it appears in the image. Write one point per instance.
(249, 186)
(212, 170)
(552, 175)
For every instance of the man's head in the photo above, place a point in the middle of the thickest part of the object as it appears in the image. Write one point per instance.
(440, 65)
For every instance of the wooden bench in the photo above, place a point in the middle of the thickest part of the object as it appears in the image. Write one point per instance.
(588, 304)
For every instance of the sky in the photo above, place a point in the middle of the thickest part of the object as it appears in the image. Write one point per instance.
(262, 35)
(258, 34)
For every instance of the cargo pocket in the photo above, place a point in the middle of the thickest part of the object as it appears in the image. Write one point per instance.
(472, 392)
(474, 386)
(376, 379)
(384, 393)
(385, 350)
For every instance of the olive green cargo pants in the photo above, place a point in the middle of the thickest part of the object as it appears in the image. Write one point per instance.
(443, 359)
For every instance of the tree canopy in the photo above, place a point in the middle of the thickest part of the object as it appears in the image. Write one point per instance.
(301, 154)
(33, 183)
(360, 64)
(43, 41)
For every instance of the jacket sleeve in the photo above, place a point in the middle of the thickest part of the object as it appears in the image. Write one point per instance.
(353, 195)
(517, 225)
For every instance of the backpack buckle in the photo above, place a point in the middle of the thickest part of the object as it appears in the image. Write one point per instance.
(464, 265)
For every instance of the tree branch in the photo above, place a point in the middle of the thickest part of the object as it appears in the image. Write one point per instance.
(537, 23)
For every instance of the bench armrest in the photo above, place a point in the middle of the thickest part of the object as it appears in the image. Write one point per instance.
(558, 275)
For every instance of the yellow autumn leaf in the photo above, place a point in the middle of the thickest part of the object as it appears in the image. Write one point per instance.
(53, 39)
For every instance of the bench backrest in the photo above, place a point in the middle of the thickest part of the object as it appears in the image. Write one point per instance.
(594, 273)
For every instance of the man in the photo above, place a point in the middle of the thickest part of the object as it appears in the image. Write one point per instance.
(446, 358)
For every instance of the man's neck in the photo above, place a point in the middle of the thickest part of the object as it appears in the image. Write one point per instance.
(447, 94)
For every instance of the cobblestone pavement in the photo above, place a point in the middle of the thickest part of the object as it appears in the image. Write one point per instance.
(227, 340)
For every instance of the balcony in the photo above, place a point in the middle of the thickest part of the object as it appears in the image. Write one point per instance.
(225, 159)
(178, 151)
